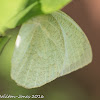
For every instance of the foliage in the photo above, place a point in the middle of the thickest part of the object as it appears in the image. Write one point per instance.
(13, 13)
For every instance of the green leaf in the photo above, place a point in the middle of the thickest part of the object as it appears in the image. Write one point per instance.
(15, 12)
(12, 11)
(3, 41)
(49, 6)
(8, 9)
(48, 47)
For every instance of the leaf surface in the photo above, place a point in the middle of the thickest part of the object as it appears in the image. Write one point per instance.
(16, 12)
(48, 47)
(3, 41)
(49, 6)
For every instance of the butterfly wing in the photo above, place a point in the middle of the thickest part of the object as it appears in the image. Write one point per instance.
(48, 47)
(78, 49)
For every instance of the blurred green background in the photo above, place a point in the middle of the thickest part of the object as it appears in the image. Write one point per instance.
(83, 84)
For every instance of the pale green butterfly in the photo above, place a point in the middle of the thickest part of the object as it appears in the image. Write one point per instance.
(48, 47)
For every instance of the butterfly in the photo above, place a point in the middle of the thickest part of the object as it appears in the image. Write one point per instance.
(48, 47)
